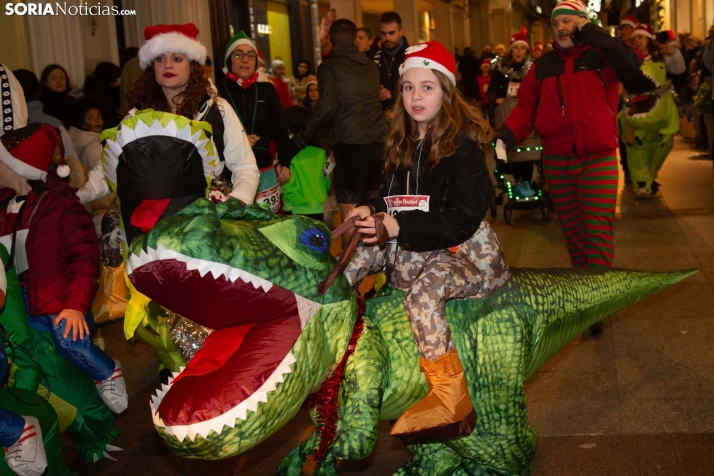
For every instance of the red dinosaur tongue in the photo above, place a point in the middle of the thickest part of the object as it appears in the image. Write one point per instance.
(232, 364)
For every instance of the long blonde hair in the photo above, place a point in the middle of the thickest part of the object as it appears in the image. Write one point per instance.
(456, 115)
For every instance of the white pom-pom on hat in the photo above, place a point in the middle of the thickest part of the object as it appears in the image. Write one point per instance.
(63, 171)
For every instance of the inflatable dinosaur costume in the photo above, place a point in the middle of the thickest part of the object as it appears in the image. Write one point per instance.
(251, 278)
(648, 123)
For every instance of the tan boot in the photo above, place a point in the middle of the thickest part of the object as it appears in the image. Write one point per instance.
(445, 411)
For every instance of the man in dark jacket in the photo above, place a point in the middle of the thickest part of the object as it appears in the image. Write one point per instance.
(349, 96)
(390, 57)
(570, 97)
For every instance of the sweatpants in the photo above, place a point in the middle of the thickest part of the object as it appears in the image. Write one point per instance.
(584, 193)
(431, 278)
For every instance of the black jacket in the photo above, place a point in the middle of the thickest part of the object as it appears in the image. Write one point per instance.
(498, 87)
(389, 69)
(267, 120)
(459, 188)
(349, 96)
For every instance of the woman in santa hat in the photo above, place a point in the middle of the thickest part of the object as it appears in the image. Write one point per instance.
(508, 73)
(434, 196)
(259, 107)
(176, 80)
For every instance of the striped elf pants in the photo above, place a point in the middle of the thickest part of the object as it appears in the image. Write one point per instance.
(584, 192)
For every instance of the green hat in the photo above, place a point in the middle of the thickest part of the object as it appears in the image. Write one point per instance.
(240, 38)
(570, 7)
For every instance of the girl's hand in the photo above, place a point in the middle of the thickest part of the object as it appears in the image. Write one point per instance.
(75, 323)
(253, 139)
(361, 212)
(368, 227)
(283, 173)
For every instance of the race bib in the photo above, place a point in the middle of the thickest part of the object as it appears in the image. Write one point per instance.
(401, 203)
(20, 254)
(271, 197)
(513, 89)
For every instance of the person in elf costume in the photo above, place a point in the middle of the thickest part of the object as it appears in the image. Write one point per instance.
(260, 110)
(650, 121)
(176, 80)
(569, 97)
(433, 198)
(52, 240)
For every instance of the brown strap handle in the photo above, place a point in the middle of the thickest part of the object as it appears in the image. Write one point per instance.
(351, 225)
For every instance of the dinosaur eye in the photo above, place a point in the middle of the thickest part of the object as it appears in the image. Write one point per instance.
(315, 239)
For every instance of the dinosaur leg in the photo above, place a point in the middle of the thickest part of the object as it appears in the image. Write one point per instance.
(640, 157)
(495, 349)
(434, 459)
(361, 393)
(665, 146)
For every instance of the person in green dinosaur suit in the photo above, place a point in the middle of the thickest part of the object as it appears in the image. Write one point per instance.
(651, 120)
(251, 278)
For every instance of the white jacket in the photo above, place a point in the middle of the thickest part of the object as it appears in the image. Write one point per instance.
(237, 152)
(88, 147)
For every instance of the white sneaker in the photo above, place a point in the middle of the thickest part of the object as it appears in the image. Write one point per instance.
(642, 194)
(27, 457)
(113, 390)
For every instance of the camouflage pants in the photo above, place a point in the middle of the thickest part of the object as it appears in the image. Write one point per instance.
(431, 278)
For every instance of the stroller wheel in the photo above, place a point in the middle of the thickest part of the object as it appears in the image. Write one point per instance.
(507, 215)
(545, 212)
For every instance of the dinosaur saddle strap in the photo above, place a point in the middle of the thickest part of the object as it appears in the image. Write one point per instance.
(350, 225)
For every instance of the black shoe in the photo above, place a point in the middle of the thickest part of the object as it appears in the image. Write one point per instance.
(654, 187)
(628, 179)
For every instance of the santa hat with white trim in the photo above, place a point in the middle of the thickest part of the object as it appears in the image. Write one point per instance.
(162, 39)
(238, 39)
(570, 7)
(519, 38)
(28, 151)
(430, 55)
(629, 20)
(645, 30)
(538, 46)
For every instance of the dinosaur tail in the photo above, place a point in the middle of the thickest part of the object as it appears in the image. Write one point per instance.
(569, 301)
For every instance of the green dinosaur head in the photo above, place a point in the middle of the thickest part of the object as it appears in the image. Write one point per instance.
(251, 277)
(651, 103)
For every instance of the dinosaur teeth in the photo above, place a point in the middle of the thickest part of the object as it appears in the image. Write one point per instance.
(229, 418)
(194, 264)
(306, 309)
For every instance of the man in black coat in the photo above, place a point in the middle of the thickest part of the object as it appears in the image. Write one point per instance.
(390, 57)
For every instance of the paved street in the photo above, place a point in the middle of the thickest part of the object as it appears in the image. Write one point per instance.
(636, 400)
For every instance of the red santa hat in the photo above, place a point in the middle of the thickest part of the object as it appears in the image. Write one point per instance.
(521, 37)
(28, 151)
(644, 30)
(486, 62)
(629, 20)
(670, 35)
(430, 55)
(538, 46)
(162, 39)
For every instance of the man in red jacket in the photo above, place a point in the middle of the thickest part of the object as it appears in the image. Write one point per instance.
(54, 249)
(570, 97)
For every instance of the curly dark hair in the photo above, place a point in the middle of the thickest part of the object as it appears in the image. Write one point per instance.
(81, 106)
(146, 93)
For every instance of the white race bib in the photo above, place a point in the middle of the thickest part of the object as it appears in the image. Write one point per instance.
(401, 203)
(513, 89)
(271, 196)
